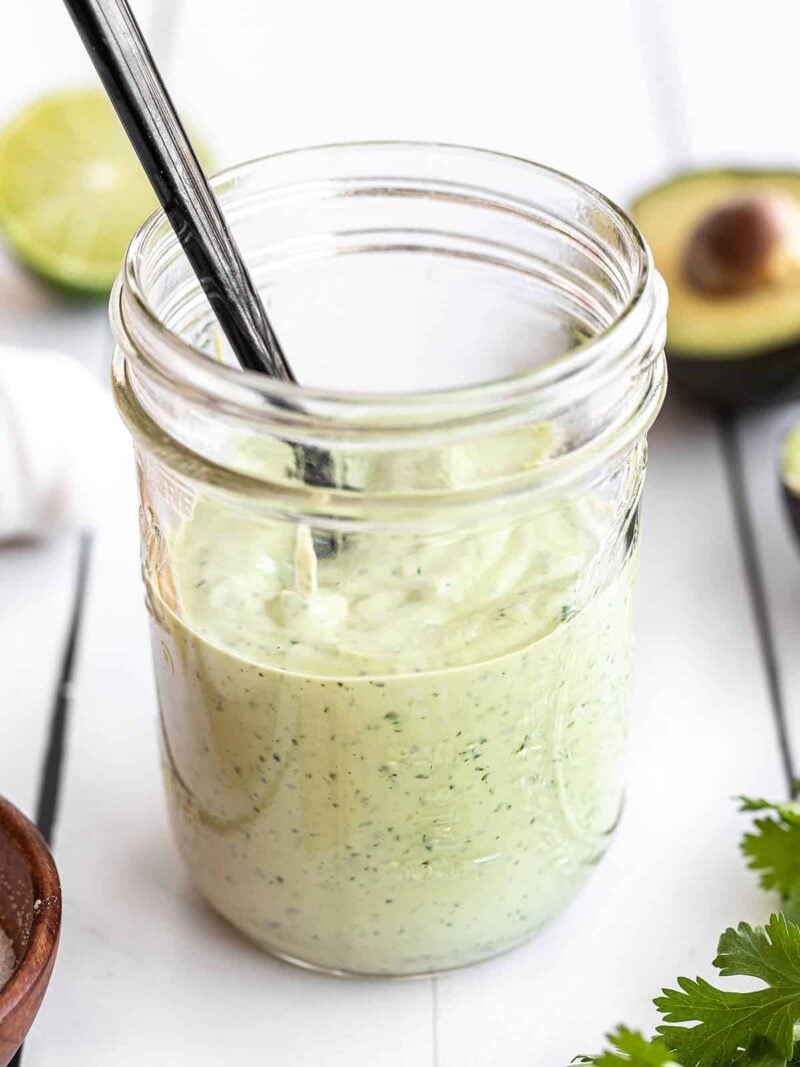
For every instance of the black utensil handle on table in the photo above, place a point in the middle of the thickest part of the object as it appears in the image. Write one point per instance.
(122, 59)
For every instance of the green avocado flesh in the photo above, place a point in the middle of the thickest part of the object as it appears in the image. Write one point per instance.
(713, 327)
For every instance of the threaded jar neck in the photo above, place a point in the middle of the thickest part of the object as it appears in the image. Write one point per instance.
(408, 251)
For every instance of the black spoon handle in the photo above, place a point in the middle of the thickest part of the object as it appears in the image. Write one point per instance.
(115, 44)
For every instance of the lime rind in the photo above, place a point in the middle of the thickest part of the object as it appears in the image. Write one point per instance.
(72, 192)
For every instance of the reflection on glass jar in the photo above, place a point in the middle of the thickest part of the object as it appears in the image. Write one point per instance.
(394, 704)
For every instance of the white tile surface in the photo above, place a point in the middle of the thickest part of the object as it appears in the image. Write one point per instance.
(146, 975)
(738, 66)
(760, 436)
(560, 83)
(702, 732)
(40, 49)
(32, 315)
(137, 944)
(36, 587)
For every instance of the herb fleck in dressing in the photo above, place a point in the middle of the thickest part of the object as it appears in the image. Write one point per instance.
(402, 757)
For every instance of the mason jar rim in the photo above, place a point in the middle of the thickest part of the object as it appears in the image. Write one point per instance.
(189, 365)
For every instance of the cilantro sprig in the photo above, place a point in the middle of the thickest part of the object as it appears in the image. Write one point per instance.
(773, 849)
(629, 1048)
(729, 1029)
(704, 1026)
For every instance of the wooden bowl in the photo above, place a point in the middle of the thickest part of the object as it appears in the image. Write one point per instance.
(30, 914)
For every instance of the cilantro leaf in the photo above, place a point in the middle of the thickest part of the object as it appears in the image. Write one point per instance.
(760, 1054)
(774, 851)
(631, 1049)
(791, 905)
(788, 810)
(739, 1028)
(774, 848)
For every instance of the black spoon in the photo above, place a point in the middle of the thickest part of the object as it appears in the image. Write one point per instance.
(132, 81)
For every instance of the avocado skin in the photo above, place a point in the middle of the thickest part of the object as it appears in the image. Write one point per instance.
(728, 384)
(688, 174)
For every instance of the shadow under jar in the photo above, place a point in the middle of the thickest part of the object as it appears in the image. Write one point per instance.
(393, 706)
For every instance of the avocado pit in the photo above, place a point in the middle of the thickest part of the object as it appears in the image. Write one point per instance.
(745, 244)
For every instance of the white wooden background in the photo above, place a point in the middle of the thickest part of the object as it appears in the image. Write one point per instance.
(618, 92)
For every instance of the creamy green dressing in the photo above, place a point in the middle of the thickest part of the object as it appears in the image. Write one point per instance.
(402, 757)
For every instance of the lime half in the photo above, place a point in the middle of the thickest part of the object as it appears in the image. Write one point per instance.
(72, 192)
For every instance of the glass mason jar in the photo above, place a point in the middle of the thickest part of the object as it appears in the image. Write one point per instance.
(391, 611)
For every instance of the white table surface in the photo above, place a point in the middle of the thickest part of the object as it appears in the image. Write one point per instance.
(619, 93)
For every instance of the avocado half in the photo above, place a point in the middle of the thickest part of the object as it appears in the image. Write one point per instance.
(727, 243)
(790, 476)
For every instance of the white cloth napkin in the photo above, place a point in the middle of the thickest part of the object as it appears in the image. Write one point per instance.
(62, 445)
